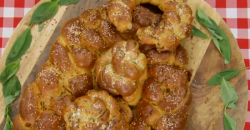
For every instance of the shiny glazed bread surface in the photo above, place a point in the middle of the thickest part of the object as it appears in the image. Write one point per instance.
(166, 95)
(96, 110)
(122, 71)
(65, 82)
(174, 26)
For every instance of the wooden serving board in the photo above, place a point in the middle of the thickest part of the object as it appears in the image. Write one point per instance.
(206, 112)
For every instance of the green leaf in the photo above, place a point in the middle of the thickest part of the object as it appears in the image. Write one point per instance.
(232, 105)
(8, 111)
(40, 27)
(17, 93)
(222, 42)
(44, 12)
(9, 99)
(12, 97)
(227, 74)
(229, 122)
(224, 46)
(226, 61)
(215, 34)
(228, 94)
(8, 124)
(20, 46)
(9, 71)
(12, 87)
(67, 2)
(204, 20)
(202, 15)
(216, 43)
(199, 33)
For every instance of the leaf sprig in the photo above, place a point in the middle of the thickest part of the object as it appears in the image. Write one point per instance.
(10, 82)
(228, 93)
(218, 35)
(199, 33)
(229, 98)
(226, 74)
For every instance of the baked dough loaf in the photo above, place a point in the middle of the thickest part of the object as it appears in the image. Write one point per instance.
(174, 26)
(97, 110)
(166, 94)
(68, 72)
(122, 71)
(142, 17)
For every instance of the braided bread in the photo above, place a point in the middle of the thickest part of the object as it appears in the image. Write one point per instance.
(122, 71)
(68, 72)
(96, 110)
(142, 17)
(174, 26)
(91, 53)
(166, 95)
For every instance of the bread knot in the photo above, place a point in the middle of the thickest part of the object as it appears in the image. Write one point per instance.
(166, 94)
(122, 71)
(174, 26)
(95, 110)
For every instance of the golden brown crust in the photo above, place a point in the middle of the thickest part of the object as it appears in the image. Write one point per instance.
(61, 90)
(90, 18)
(98, 33)
(72, 31)
(59, 57)
(60, 103)
(29, 104)
(45, 98)
(18, 125)
(47, 82)
(166, 96)
(181, 57)
(119, 14)
(178, 57)
(126, 113)
(109, 33)
(174, 121)
(139, 124)
(147, 112)
(92, 39)
(174, 26)
(124, 109)
(81, 84)
(155, 57)
(95, 110)
(171, 74)
(122, 70)
(144, 17)
(83, 57)
(65, 76)
(48, 120)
